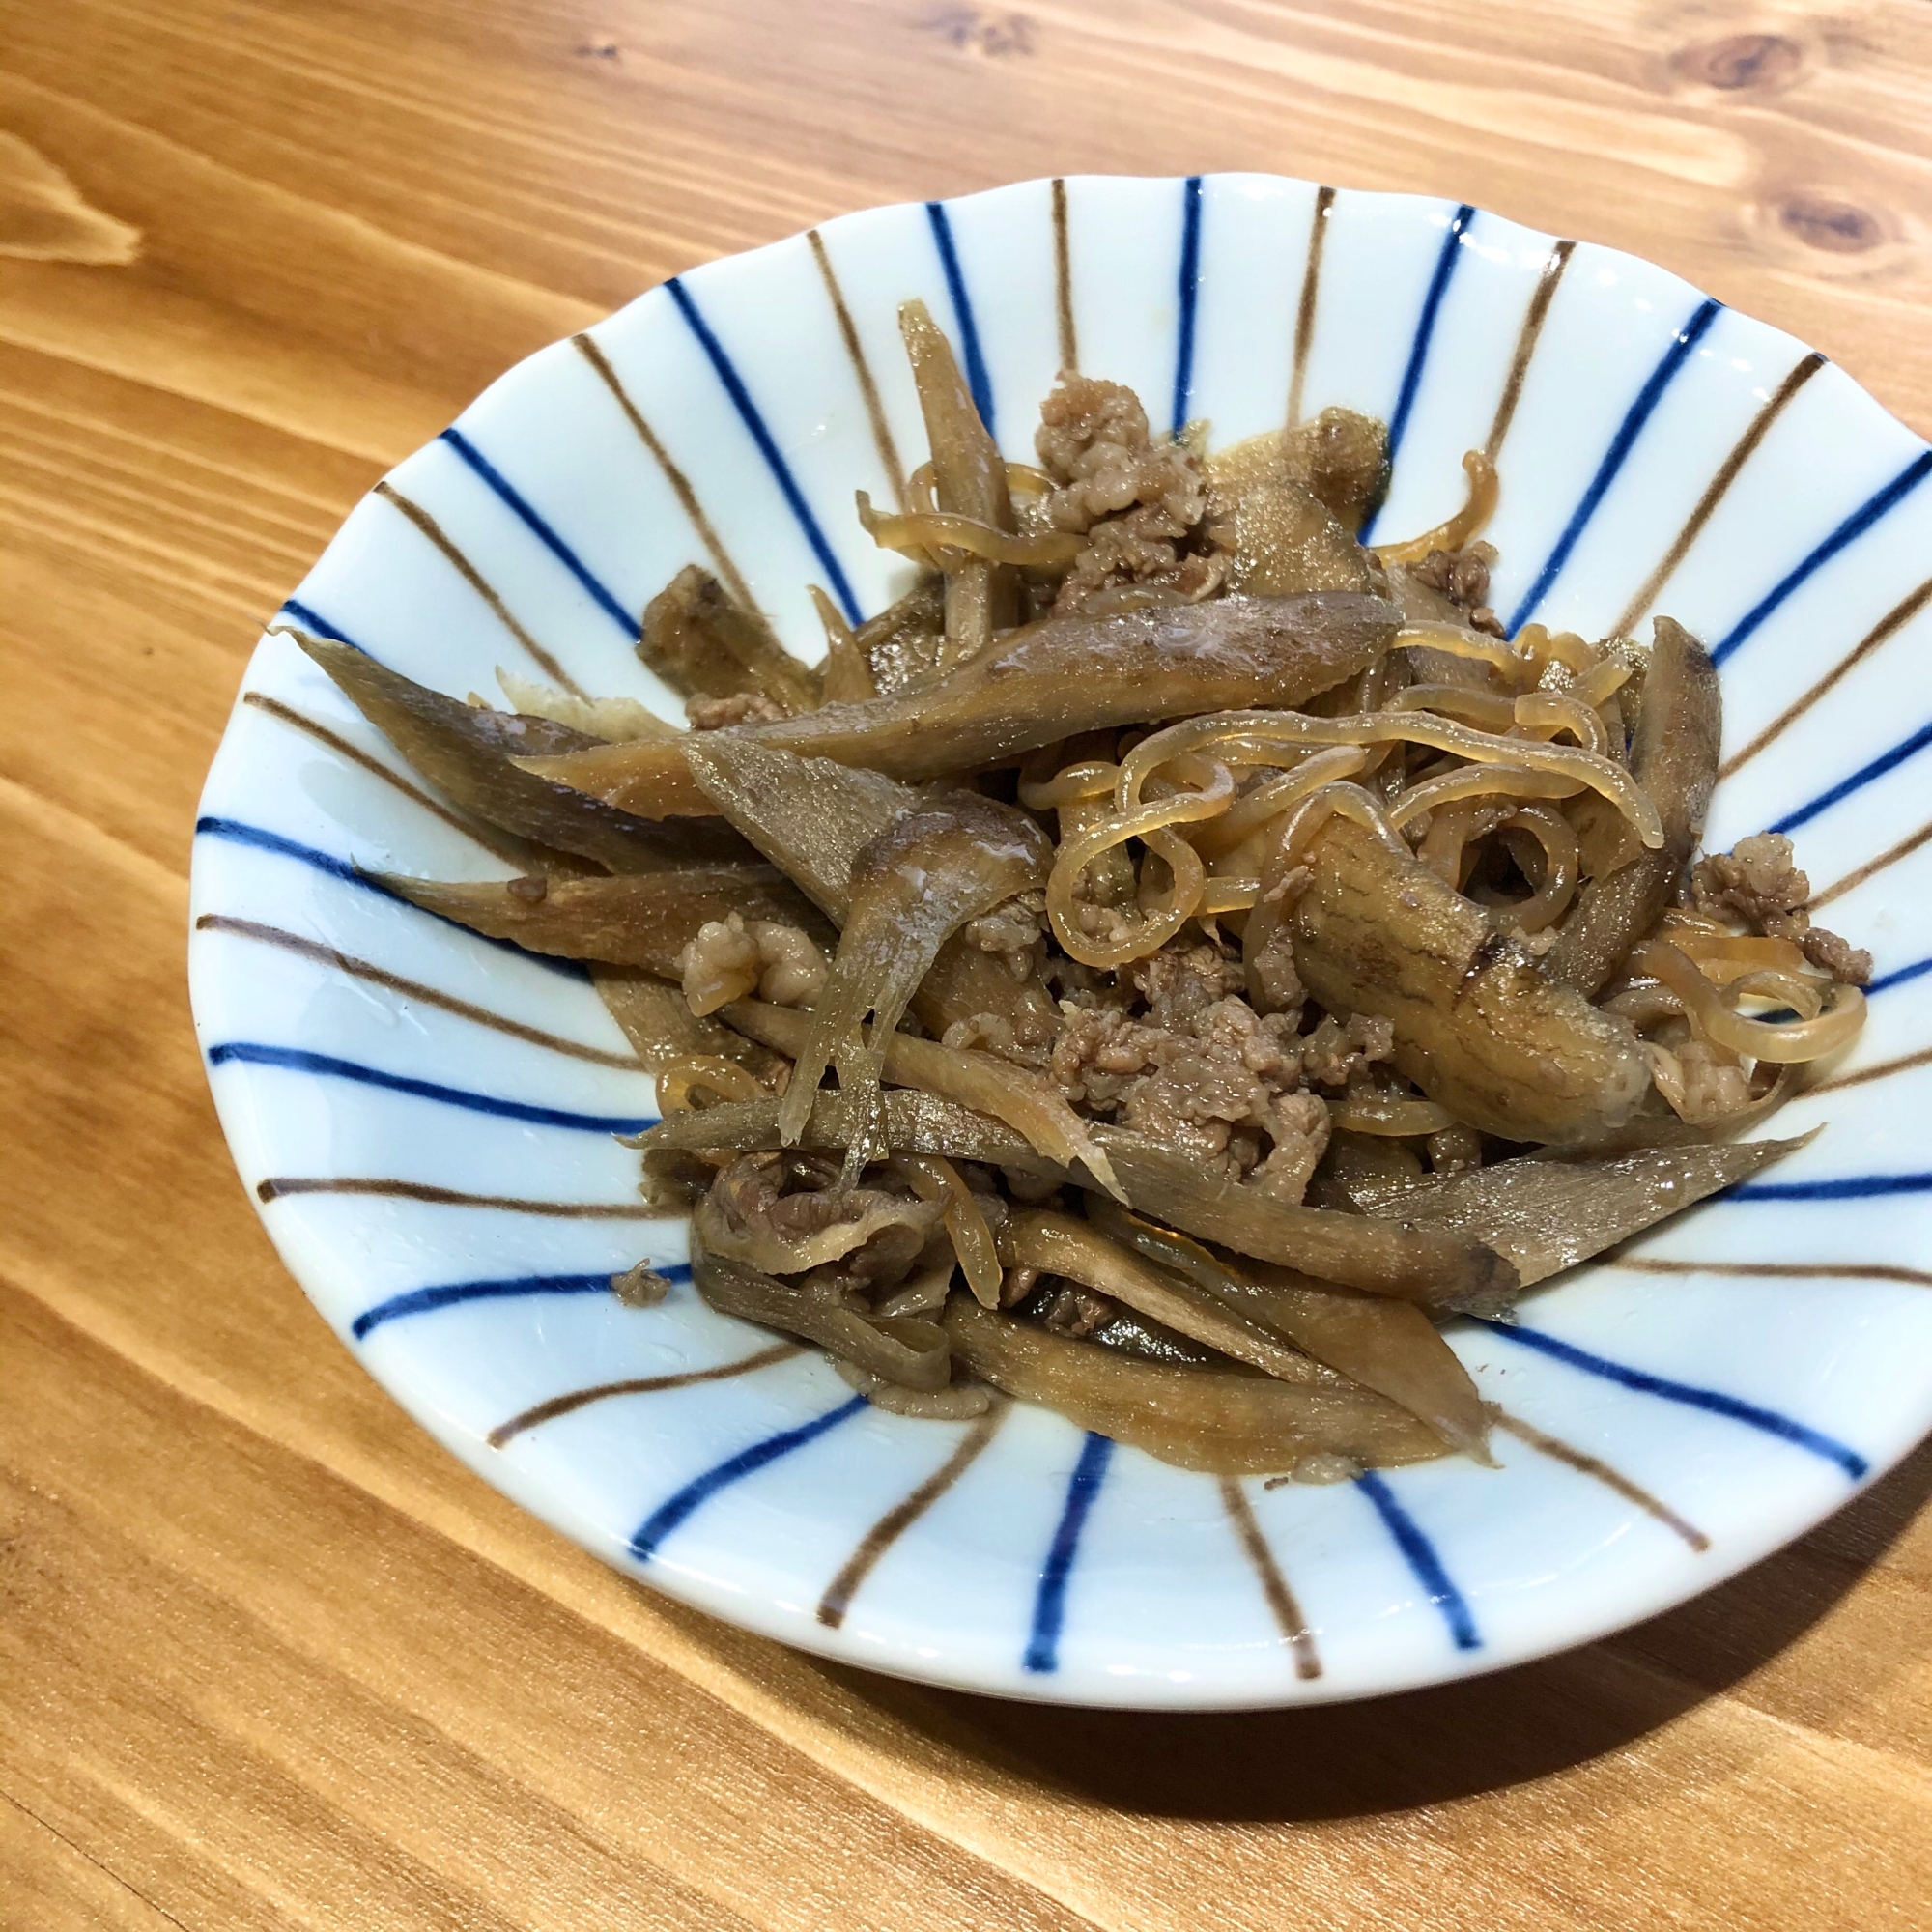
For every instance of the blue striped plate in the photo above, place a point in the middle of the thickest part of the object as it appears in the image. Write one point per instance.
(426, 1117)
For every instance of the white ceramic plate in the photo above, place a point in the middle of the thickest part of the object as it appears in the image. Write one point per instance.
(426, 1117)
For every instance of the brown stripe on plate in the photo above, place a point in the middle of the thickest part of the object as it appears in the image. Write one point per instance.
(1311, 295)
(896, 1520)
(1594, 1466)
(1794, 379)
(575, 1399)
(1063, 279)
(876, 410)
(280, 1187)
(1895, 619)
(412, 990)
(1286, 1612)
(478, 583)
(680, 484)
(1871, 869)
(502, 847)
(1781, 1270)
(1882, 1069)
(1526, 338)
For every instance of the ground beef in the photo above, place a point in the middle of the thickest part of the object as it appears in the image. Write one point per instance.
(1192, 1086)
(1455, 1150)
(1462, 577)
(1178, 983)
(791, 1196)
(640, 1286)
(720, 964)
(792, 969)
(1013, 930)
(1094, 442)
(1078, 1312)
(1198, 1093)
(731, 958)
(1139, 503)
(1299, 1128)
(1338, 1052)
(1837, 956)
(742, 707)
(1757, 882)
(1199, 1071)
(1125, 553)
(1069, 982)
(1274, 986)
(991, 1032)
(1701, 1084)
(1099, 1049)
(795, 1195)
(1109, 880)
(1107, 924)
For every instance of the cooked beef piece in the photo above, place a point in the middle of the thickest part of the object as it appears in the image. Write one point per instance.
(1757, 881)
(1462, 577)
(1199, 1071)
(1139, 503)
(1077, 1312)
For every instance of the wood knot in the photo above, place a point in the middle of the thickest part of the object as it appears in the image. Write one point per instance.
(1757, 63)
(1824, 220)
(45, 219)
(981, 30)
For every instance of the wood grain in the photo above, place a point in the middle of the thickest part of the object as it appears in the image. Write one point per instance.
(267, 1657)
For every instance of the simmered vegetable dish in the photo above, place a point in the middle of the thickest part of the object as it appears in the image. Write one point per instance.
(1172, 959)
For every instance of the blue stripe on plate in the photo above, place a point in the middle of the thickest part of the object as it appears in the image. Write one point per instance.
(1849, 532)
(1449, 254)
(452, 1294)
(236, 833)
(674, 1510)
(1049, 1604)
(748, 414)
(1885, 761)
(1845, 1187)
(1629, 430)
(1899, 976)
(1421, 1556)
(1188, 299)
(294, 1060)
(545, 532)
(1713, 1402)
(312, 619)
(977, 378)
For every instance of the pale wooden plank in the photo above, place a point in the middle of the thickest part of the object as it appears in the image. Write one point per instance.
(56, 1888)
(1792, 194)
(148, 538)
(351, 218)
(346, 1709)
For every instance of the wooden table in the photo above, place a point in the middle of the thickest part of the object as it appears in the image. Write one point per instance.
(268, 1656)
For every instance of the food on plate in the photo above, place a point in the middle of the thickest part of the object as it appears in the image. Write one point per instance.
(1174, 958)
